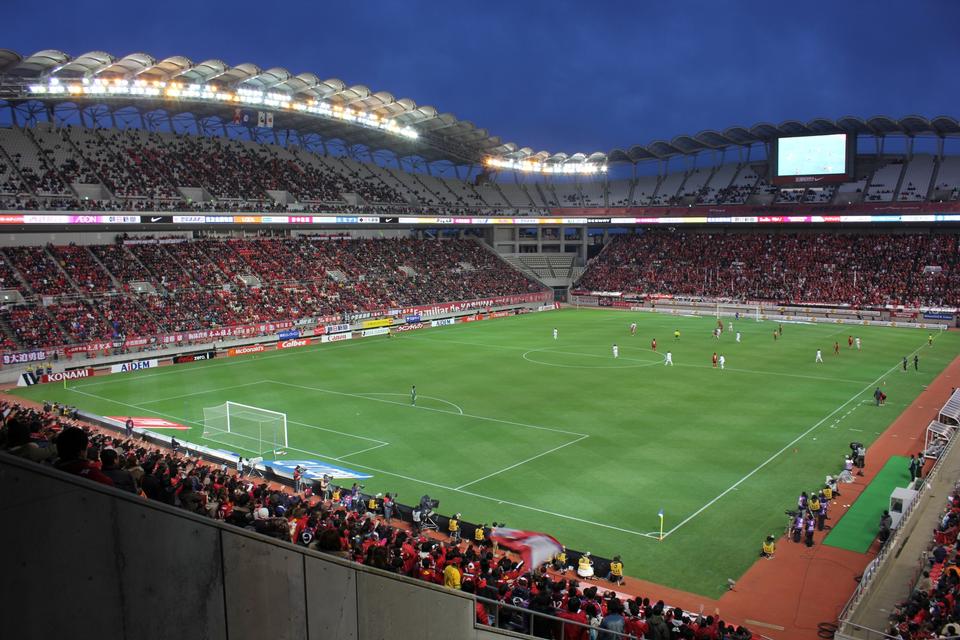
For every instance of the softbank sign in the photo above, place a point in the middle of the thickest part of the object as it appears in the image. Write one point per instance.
(133, 366)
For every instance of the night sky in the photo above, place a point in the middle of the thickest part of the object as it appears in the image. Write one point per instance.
(560, 76)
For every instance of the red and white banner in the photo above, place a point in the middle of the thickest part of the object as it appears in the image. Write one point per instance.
(72, 374)
(336, 337)
(290, 344)
(409, 327)
(242, 351)
(150, 423)
(535, 548)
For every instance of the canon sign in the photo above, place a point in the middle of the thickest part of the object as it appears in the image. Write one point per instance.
(337, 337)
(290, 344)
(73, 374)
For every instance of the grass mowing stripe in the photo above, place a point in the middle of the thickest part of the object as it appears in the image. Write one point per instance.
(787, 446)
(515, 465)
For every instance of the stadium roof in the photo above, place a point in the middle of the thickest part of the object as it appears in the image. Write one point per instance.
(441, 136)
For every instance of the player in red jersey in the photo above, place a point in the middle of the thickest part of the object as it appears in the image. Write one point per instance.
(849, 342)
(653, 344)
(836, 348)
(714, 359)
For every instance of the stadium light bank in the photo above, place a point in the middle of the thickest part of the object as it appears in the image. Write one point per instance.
(211, 93)
(533, 166)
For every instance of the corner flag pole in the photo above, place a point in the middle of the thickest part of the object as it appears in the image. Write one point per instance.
(660, 513)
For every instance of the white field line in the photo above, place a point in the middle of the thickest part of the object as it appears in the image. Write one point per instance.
(395, 475)
(404, 395)
(301, 424)
(284, 353)
(376, 446)
(515, 465)
(407, 404)
(787, 446)
(200, 393)
(774, 373)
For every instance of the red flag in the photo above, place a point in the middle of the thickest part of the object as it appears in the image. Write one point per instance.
(535, 548)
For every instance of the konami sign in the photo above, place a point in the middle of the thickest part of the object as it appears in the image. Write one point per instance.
(290, 344)
(73, 374)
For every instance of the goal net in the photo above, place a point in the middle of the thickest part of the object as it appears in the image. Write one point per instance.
(246, 427)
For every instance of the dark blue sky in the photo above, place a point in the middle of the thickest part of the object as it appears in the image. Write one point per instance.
(561, 76)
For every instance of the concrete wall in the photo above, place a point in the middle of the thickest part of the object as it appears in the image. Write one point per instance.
(82, 560)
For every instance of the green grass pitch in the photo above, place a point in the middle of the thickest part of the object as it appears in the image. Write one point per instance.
(558, 436)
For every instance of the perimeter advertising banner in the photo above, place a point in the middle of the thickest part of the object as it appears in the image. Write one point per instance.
(381, 322)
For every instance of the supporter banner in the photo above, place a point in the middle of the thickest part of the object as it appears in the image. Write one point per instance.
(337, 328)
(194, 357)
(133, 366)
(410, 327)
(500, 314)
(150, 423)
(93, 346)
(929, 315)
(314, 469)
(25, 356)
(288, 334)
(548, 307)
(70, 374)
(412, 318)
(290, 344)
(379, 331)
(382, 322)
(499, 301)
(473, 318)
(441, 323)
(337, 337)
(241, 351)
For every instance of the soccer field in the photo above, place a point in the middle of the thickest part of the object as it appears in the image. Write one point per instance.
(513, 426)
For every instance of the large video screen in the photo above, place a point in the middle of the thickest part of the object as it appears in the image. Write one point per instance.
(812, 158)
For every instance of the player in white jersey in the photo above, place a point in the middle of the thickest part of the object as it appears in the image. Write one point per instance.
(669, 360)
(616, 351)
(555, 333)
(633, 328)
(730, 327)
(738, 336)
(819, 356)
(857, 342)
(722, 361)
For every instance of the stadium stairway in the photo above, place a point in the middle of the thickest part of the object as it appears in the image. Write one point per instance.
(223, 581)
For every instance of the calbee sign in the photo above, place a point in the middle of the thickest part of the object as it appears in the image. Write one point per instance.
(133, 366)
(290, 344)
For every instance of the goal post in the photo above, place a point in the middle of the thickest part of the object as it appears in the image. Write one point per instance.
(252, 428)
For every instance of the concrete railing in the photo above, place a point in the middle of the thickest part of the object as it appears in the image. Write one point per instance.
(86, 560)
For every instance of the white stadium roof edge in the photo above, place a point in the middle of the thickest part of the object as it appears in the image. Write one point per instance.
(441, 135)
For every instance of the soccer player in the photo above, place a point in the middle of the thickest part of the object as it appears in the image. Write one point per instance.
(413, 395)
(633, 328)
(714, 359)
(676, 334)
(653, 344)
(730, 327)
(723, 361)
(857, 342)
(904, 363)
(716, 333)
(780, 328)
(555, 333)
(916, 362)
(819, 356)
(836, 348)
(775, 335)
(669, 360)
(929, 339)
(849, 342)
(738, 336)
(616, 350)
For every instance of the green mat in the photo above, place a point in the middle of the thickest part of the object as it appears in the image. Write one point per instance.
(858, 527)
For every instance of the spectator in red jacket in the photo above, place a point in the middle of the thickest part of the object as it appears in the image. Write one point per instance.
(72, 449)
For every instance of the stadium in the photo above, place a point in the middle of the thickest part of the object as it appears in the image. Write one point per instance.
(298, 357)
